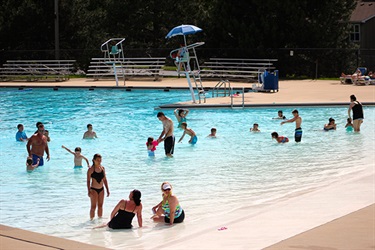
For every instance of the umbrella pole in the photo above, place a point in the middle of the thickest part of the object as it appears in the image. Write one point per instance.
(185, 40)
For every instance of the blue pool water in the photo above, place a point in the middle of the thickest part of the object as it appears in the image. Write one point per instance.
(214, 177)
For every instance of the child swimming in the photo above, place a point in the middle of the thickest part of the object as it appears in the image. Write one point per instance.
(78, 157)
(151, 146)
(193, 137)
(279, 139)
(29, 164)
(349, 125)
(255, 128)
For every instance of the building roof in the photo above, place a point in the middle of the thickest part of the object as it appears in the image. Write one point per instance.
(364, 11)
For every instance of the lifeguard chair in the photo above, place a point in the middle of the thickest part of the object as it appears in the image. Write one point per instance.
(186, 61)
(114, 55)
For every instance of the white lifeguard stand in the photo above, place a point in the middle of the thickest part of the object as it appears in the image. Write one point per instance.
(114, 55)
(184, 58)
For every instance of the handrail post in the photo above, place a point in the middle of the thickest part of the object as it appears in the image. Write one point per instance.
(243, 97)
(231, 99)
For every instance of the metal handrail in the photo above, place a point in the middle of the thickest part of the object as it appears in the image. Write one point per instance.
(218, 87)
(243, 98)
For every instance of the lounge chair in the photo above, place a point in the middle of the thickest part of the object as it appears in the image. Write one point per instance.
(352, 79)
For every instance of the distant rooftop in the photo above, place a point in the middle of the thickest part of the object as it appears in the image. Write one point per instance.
(364, 11)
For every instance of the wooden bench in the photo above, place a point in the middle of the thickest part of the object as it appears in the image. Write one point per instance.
(235, 68)
(102, 68)
(35, 70)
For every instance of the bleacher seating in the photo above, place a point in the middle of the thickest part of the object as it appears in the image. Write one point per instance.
(35, 70)
(102, 68)
(235, 68)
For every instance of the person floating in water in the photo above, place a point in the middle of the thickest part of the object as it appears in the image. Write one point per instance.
(280, 115)
(298, 120)
(151, 146)
(349, 125)
(213, 133)
(78, 157)
(89, 134)
(181, 115)
(279, 139)
(331, 125)
(29, 164)
(255, 128)
(193, 137)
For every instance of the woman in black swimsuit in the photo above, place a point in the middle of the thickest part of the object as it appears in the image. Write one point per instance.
(95, 179)
(357, 109)
(124, 212)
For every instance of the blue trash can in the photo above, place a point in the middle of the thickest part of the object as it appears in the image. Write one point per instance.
(271, 81)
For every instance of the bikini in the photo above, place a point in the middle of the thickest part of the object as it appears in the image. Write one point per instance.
(98, 177)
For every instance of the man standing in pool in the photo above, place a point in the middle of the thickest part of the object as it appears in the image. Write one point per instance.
(36, 146)
(298, 120)
(167, 134)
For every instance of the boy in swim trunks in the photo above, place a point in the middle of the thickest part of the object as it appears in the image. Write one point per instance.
(298, 120)
(213, 133)
(279, 139)
(78, 157)
(193, 137)
(89, 134)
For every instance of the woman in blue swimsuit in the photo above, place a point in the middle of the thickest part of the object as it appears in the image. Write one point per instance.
(181, 115)
(169, 209)
(96, 178)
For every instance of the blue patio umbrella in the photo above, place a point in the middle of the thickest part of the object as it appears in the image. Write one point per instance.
(184, 29)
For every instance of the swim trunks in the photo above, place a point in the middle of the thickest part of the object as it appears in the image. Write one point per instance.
(151, 153)
(169, 144)
(298, 134)
(35, 160)
(78, 167)
(194, 140)
(284, 139)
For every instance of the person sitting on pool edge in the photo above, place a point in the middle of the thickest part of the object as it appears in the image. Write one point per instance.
(193, 137)
(331, 125)
(279, 139)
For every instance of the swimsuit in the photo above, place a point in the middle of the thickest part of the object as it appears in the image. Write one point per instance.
(298, 134)
(179, 214)
(151, 151)
(78, 167)
(182, 119)
(284, 139)
(169, 144)
(349, 128)
(20, 135)
(194, 140)
(98, 190)
(35, 160)
(97, 176)
(328, 129)
(357, 111)
(122, 220)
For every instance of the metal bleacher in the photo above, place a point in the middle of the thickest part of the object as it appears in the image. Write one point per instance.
(235, 68)
(36, 70)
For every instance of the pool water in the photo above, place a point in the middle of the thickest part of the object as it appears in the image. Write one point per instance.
(212, 178)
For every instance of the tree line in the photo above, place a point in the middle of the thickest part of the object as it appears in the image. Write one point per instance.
(316, 30)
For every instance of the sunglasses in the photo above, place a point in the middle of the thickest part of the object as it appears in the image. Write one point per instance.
(168, 189)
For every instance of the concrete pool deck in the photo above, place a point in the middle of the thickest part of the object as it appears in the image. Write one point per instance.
(353, 228)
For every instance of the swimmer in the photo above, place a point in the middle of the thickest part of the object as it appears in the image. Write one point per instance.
(280, 115)
(298, 130)
(349, 125)
(331, 125)
(21, 135)
(89, 134)
(193, 137)
(181, 115)
(255, 128)
(151, 146)
(78, 157)
(279, 139)
(29, 164)
(213, 133)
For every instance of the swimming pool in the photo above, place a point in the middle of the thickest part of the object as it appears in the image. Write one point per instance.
(213, 178)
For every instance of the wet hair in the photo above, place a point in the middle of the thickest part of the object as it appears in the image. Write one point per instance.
(89, 125)
(349, 120)
(94, 158)
(213, 129)
(280, 111)
(77, 149)
(275, 135)
(19, 125)
(160, 114)
(29, 161)
(353, 98)
(256, 124)
(180, 111)
(38, 123)
(295, 111)
(46, 131)
(149, 141)
(137, 197)
(184, 124)
(331, 120)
